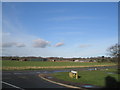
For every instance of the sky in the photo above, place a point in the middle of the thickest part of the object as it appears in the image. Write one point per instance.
(61, 29)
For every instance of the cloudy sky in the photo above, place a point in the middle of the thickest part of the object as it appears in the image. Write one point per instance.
(58, 29)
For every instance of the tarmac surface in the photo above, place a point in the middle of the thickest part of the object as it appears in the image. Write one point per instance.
(23, 80)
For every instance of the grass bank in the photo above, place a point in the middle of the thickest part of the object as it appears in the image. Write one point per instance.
(97, 78)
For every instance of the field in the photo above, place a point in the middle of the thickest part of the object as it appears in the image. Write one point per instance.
(22, 65)
(97, 78)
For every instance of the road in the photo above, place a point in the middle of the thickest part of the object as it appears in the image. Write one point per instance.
(23, 80)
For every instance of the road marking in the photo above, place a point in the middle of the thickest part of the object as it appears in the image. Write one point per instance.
(12, 85)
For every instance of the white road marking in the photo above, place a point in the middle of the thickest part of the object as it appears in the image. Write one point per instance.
(11, 85)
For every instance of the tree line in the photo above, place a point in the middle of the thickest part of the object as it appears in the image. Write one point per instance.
(113, 52)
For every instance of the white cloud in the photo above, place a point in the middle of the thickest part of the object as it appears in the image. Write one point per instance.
(59, 44)
(20, 45)
(11, 44)
(40, 43)
(8, 44)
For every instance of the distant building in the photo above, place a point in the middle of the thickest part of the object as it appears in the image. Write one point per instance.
(24, 59)
(53, 60)
(76, 61)
(84, 61)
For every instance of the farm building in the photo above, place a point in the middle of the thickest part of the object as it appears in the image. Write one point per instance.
(24, 59)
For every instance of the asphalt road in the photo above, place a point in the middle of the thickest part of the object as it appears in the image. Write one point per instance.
(23, 80)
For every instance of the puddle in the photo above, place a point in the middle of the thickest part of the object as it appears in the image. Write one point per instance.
(59, 71)
(49, 77)
(38, 72)
(17, 73)
(88, 86)
(45, 72)
(111, 73)
(90, 69)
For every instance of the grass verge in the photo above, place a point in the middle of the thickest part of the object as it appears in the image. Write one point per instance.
(97, 78)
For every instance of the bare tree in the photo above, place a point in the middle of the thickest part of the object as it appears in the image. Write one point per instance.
(114, 50)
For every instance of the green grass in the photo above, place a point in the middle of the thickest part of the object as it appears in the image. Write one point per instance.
(38, 64)
(88, 77)
(6, 63)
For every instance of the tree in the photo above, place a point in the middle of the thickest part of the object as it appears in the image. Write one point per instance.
(114, 50)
